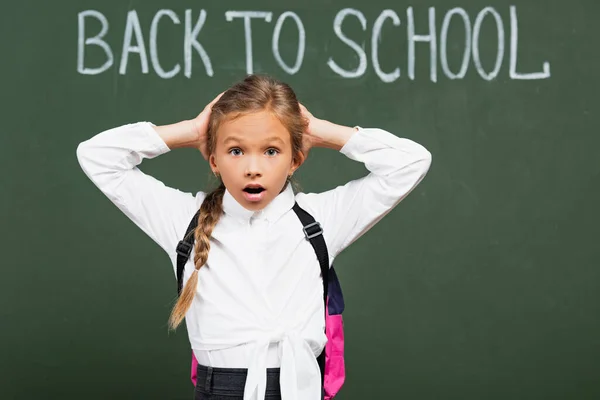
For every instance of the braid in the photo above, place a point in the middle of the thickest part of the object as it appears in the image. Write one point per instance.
(210, 213)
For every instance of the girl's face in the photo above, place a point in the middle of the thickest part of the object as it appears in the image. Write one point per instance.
(253, 155)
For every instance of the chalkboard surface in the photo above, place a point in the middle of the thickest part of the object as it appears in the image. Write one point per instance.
(484, 282)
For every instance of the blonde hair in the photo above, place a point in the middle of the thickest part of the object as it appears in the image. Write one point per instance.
(255, 93)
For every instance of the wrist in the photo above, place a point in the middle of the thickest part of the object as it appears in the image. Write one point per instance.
(334, 136)
(194, 127)
(179, 135)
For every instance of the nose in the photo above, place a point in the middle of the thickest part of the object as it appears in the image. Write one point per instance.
(253, 168)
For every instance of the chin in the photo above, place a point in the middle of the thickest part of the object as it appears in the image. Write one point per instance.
(254, 206)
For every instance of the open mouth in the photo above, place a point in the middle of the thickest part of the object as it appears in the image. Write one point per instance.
(254, 189)
(254, 192)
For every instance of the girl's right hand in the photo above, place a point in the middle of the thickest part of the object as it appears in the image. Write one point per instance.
(200, 124)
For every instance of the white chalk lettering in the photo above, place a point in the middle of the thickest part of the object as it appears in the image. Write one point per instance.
(362, 57)
(431, 38)
(499, 55)
(248, 15)
(191, 40)
(301, 42)
(376, 38)
(133, 26)
(444, 43)
(153, 44)
(82, 41)
(514, 38)
(455, 53)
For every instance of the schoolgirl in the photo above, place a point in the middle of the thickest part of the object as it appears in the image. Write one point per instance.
(253, 296)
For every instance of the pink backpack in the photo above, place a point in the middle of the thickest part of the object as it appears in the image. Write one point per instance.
(331, 360)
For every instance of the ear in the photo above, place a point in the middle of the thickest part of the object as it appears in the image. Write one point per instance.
(297, 161)
(213, 164)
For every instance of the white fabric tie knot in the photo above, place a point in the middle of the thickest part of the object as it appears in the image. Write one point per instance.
(300, 376)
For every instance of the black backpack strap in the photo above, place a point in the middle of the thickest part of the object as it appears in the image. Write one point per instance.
(314, 234)
(184, 250)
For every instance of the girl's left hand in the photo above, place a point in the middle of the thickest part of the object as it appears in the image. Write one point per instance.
(308, 140)
(322, 133)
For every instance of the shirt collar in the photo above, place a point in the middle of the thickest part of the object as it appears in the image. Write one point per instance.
(272, 212)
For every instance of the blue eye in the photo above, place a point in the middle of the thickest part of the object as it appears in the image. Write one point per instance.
(235, 152)
(272, 152)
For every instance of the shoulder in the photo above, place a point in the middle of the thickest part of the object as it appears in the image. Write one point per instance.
(317, 204)
(324, 202)
(188, 209)
(199, 198)
(308, 202)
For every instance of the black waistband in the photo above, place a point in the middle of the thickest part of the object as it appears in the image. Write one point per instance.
(231, 382)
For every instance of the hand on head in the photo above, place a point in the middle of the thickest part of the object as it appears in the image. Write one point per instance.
(201, 126)
(308, 140)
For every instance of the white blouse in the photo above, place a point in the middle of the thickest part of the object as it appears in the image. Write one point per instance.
(259, 301)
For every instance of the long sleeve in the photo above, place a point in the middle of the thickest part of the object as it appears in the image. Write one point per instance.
(396, 166)
(110, 160)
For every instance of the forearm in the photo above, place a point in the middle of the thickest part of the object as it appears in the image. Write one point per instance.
(330, 135)
(178, 135)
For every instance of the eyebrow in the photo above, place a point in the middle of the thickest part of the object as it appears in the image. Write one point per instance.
(269, 139)
(232, 139)
(275, 139)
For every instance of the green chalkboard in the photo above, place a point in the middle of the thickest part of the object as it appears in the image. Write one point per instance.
(484, 282)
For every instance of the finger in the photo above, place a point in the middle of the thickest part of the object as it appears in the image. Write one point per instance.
(212, 103)
(204, 153)
(305, 113)
(217, 98)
